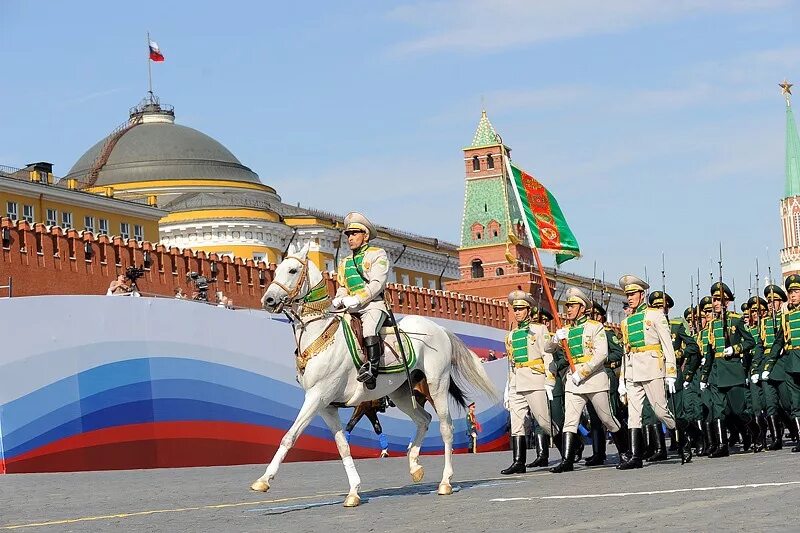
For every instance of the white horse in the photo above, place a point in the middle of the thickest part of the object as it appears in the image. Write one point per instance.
(330, 375)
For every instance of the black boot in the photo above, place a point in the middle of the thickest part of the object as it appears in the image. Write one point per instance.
(722, 442)
(558, 442)
(776, 428)
(759, 433)
(649, 441)
(673, 441)
(570, 442)
(579, 446)
(598, 447)
(660, 451)
(518, 450)
(637, 448)
(543, 444)
(683, 445)
(622, 442)
(368, 372)
(712, 437)
(702, 438)
(748, 436)
(797, 427)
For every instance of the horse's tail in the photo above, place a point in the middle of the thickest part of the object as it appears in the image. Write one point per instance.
(467, 365)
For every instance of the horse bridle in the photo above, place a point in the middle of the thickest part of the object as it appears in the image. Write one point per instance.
(293, 293)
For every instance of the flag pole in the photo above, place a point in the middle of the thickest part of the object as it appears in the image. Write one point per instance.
(542, 277)
(149, 70)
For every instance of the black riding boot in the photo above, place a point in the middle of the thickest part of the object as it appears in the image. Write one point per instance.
(637, 448)
(776, 429)
(722, 441)
(748, 436)
(518, 450)
(543, 445)
(683, 445)
(673, 441)
(368, 372)
(598, 447)
(759, 432)
(660, 451)
(558, 442)
(797, 426)
(702, 438)
(570, 442)
(622, 442)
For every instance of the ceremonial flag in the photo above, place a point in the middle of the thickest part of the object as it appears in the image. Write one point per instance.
(155, 52)
(545, 224)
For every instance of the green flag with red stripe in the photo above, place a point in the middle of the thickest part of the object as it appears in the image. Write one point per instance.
(544, 222)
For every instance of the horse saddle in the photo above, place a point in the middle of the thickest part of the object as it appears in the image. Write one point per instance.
(391, 360)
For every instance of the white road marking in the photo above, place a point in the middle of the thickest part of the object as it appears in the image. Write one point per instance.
(648, 492)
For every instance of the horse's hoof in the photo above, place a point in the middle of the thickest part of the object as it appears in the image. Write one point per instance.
(352, 500)
(417, 475)
(445, 489)
(259, 485)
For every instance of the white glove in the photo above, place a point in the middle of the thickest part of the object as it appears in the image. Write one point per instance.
(621, 389)
(765, 374)
(576, 378)
(337, 302)
(670, 384)
(728, 351)
(506, 405)
(754, 378)
(703, 386)
(686, 384)
(562, 334)
(548, 389)
(703, 361)
(351, 302)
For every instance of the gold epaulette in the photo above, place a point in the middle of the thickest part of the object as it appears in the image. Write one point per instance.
(732, 314)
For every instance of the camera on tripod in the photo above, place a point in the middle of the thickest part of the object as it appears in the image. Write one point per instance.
(200, 283)
(133, 273)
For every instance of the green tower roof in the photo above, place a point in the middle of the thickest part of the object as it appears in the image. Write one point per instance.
(485, 134)
(792, 155)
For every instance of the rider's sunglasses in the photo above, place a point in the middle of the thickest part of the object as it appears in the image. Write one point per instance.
(352, 232)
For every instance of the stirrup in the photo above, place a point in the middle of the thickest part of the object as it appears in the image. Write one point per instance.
(365, 373)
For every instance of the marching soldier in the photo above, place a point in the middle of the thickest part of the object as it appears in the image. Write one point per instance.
(588, 347)
(362, 280)
(530, 381)
(612, 369)
(757, 310)
(649, 364)
(692, 405)
(687, 361)
(787, 346)
(723, 373)
(777, 400)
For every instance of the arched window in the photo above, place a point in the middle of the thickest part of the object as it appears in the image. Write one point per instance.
(489, 161)
(476, 163)
(477, 268)
(499, 272)
(477, 230)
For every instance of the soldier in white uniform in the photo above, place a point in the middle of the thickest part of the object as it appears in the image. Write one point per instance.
(588, 382)
(530, 381)
(362, 280)
(649, 364)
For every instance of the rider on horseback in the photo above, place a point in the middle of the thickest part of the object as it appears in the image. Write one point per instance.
(362, 279)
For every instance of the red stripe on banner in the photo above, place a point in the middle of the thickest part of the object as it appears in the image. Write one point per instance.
(158, 57)
(539, 200)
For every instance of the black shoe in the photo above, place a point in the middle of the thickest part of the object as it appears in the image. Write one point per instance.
(368, 373)
(660, 452)
(776, 429)
(518, 450)
(722, 449)
(712, 438)
(637, 448)
(797, 425)
(683, 445)
(598, 447)
(673, 441)
(543, 443)
(567, 461)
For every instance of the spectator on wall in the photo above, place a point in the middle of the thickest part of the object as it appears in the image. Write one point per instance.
(120, 286)
(179, 295)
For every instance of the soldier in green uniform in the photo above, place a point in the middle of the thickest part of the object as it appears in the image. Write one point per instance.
(757, 310)
(787, 347)
(706, 315)
(777, 401)
(692, 407)
(723, 373)
(612, 368)
(687, 360)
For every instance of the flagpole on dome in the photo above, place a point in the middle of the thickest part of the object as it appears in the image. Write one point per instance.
(542, 276)
(149, 70)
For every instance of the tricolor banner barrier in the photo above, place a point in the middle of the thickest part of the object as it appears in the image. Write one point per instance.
(104, 382)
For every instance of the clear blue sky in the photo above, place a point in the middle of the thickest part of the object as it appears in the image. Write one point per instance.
(658, 125)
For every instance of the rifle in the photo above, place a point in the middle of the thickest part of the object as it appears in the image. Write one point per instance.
(724, 304)
(692, 309)
(594, 284)
(663, 285)
(771, 304)
(699, 311)
(758, 303)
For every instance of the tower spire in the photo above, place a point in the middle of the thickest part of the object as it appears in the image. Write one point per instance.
(484, 134)
(792, 187)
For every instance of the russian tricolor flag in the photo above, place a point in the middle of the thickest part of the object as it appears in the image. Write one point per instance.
(155, 52)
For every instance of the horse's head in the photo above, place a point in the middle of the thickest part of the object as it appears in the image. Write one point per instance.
(290, 284)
